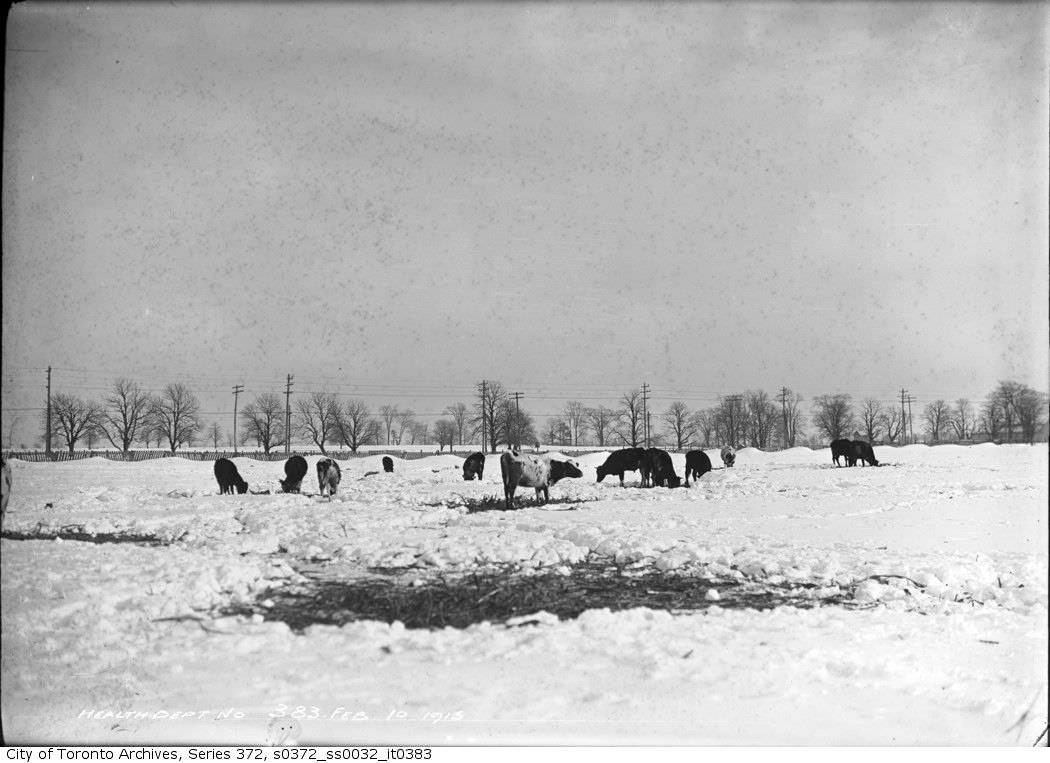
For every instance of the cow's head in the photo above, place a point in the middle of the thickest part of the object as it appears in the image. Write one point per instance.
(562, 469)
(242, 487)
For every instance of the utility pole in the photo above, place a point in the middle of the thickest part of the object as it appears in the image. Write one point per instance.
(911, 421)
(645, 411)
(288, 415)
(237, 389)
(648, 426)
(484, 418)
(784, 413)
(904, 421)
(517, 417)
(47, 433)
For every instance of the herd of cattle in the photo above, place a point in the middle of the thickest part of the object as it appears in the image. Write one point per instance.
(539, 471)
(519, 470)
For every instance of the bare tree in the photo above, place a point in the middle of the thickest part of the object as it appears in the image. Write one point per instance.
(264, 420)
(124, 412)
(517, 424)
(833, 415)
(704, 426)
(317, 416)
(445, 432)
(404, 421)
(459, 414)
(72, 418)
(962, 419)
(487, 412)
(762, 418)
(871, 418)
(419, 432)
(557, 432)
(629, 425)
(600, 421)
(213, 433)
(729, 419)
(91, 434)
(388, 414)
(793, 405)
(936, 416)
(892, 422)
(356, 426)
(681, 424)
(573, 415)
(1031, 409)
(175, 414)
(991, 418)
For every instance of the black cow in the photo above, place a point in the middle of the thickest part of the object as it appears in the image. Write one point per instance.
(294, 471)
(840, 449)
(620, 461)
(328, 476)
(861, 451)
(697, 464)
(228, 477)
(474, 466)
(388, 464)
(657, 469)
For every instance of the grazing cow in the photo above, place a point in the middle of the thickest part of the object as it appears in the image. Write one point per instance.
(528, 470)
(474, 466)
(328, 476)
(861, 451)
(657, 469)
(228, 477)
(697, 464)
(728, 456)
(620, 461)
(388, 464)
(294, 471)
(5, 489)
(840, 449)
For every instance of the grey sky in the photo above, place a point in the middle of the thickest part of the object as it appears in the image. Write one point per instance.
(566, 197)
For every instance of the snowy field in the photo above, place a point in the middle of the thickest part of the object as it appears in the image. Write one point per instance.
(124, 643)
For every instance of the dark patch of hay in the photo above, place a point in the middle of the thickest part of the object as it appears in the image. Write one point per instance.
(86, 537)
(496, 595)
(499, 503)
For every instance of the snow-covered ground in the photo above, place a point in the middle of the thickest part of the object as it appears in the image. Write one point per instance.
(116, 643)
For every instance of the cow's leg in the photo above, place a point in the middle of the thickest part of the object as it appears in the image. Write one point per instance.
(508, 496)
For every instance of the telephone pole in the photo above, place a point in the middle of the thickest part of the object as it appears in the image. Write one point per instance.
(484, 418)
(517, 417)
(237, 389)
(288, 415)
(904, 420)
(784, 413)
(645, 411)
(911, 421)
(47, 433)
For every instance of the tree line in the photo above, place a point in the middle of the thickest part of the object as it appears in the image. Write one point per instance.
(129, 414)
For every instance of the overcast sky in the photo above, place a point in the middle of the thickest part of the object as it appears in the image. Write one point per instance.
(399, 200)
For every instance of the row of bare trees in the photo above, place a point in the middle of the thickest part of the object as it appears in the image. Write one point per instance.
(129, 414)
(1012, 412)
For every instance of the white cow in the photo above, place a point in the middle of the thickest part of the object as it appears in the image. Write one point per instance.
(528, 470)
